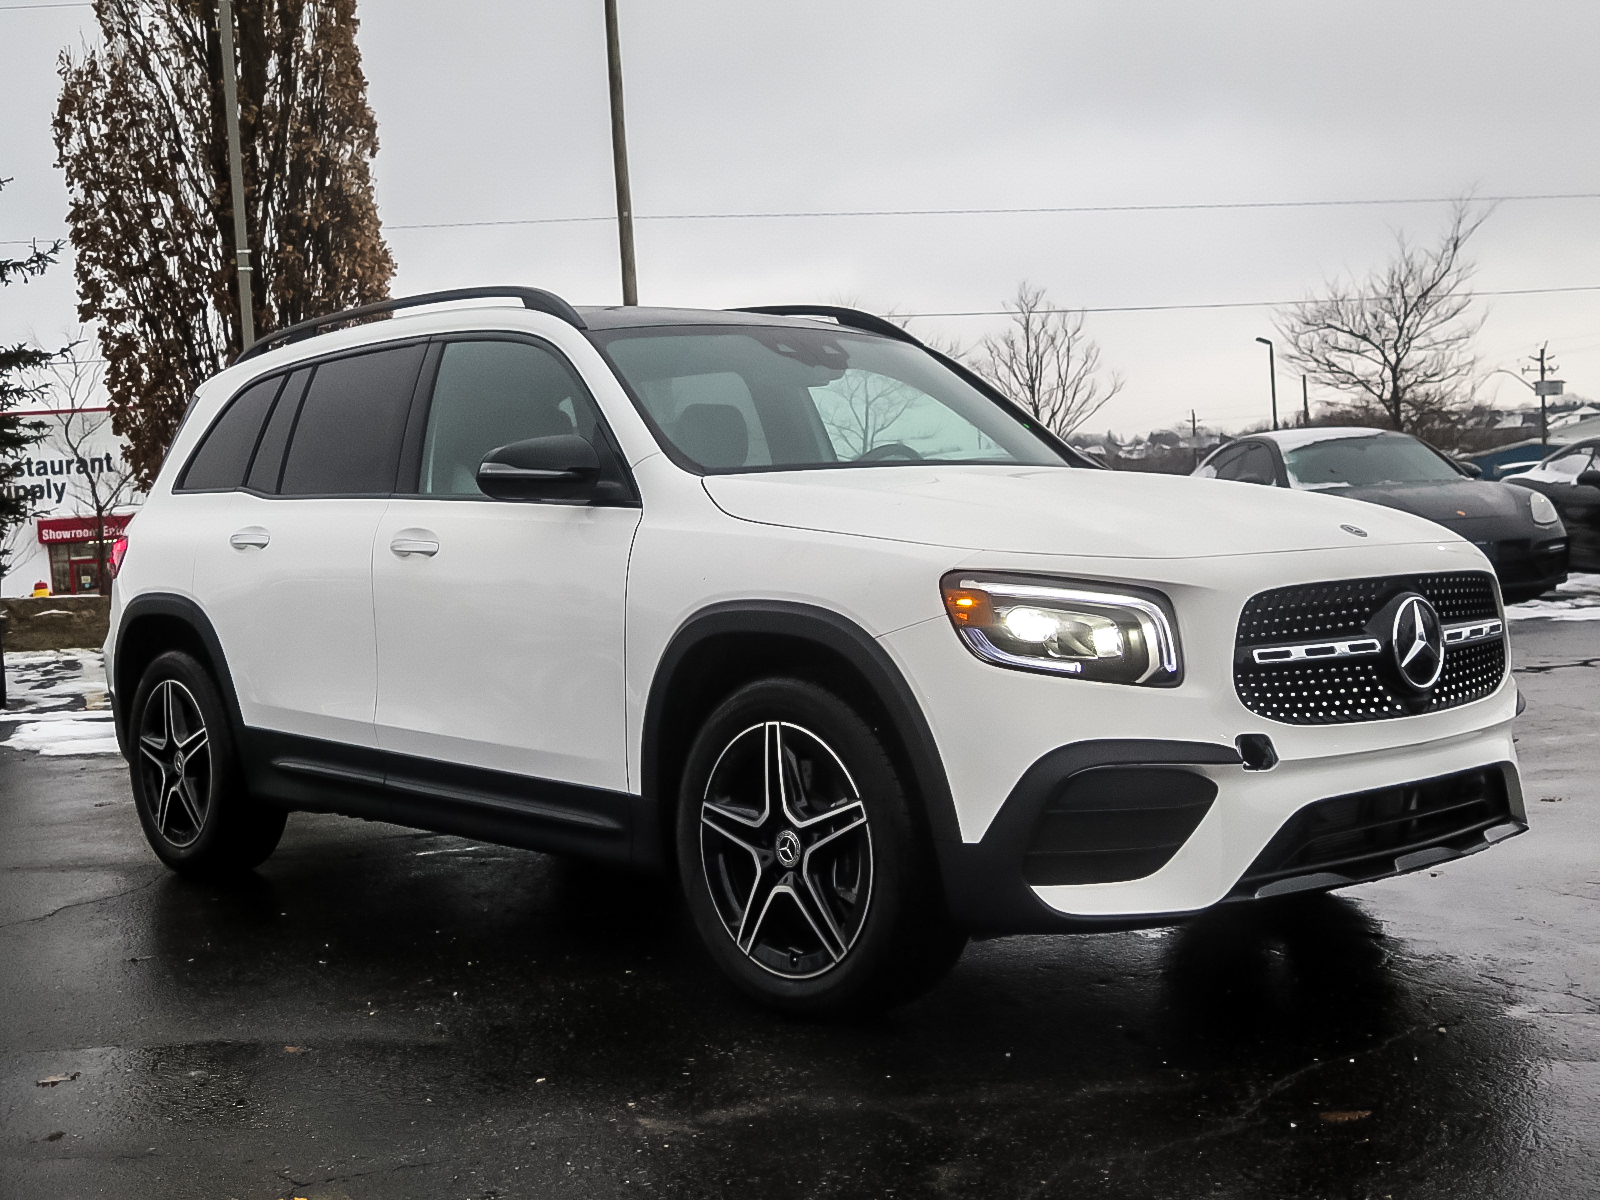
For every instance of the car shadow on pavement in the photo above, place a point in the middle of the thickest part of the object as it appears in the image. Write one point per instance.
(475, 998)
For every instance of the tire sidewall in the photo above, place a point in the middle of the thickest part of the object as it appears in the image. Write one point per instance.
(208, 847)
(889, 822)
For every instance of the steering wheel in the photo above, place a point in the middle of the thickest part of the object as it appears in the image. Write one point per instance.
(889, 450)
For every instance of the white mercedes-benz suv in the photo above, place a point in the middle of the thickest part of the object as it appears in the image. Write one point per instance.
(789, 605)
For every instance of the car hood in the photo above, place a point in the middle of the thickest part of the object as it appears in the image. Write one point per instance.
(1055, 510)
(1469, 503)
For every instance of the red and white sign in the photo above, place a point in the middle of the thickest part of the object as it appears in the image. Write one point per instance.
(79, 529)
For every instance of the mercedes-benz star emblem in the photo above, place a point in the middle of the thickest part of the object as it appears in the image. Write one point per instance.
(788, 847)
(1417, 642)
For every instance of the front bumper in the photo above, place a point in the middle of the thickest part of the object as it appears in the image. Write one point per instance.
(1216, 831)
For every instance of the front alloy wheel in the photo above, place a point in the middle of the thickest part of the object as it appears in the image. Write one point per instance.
(787, 850)
(808, 871)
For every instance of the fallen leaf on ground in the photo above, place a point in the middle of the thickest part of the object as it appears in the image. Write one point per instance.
(52, 1080)
(1345, 1116)
(54, 1137)
(295, 1049)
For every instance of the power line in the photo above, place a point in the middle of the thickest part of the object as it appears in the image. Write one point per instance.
(1219, 206)
(1001, 212)
(22, 7)
(1135, 308)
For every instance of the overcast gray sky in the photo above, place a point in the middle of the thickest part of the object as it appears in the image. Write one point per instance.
(496, 110)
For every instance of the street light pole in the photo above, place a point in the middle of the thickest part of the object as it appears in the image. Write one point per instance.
(1272, 372)
(619, 159)
(236, 195)
(1305, 401)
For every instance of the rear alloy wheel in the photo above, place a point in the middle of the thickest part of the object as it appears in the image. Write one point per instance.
(187, 783)
(810, 881)
(175, 763)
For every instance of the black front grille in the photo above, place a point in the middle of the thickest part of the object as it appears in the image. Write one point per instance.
(1362, 836)
(1341, 690)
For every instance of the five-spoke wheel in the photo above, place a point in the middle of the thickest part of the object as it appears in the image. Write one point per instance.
(809, 875)
(175, 761)
(787, 849)
(188, 786)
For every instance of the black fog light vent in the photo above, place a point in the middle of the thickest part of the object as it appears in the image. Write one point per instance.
(1113, 824)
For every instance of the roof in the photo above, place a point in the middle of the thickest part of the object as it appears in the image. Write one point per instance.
(1293, 439)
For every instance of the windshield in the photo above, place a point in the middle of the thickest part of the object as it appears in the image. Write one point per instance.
(1363, 461)
(785, 398)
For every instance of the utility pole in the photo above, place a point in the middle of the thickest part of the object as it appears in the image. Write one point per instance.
(1272, 372)
(1194, 438)
(236, 194)
(619, 159)
(1305, 402)
(1545, 387)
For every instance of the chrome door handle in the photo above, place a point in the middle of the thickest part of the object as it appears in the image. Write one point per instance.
(253, 538)
(409, 543)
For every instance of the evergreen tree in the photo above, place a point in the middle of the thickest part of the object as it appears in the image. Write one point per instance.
(140, 133)
(17, 365)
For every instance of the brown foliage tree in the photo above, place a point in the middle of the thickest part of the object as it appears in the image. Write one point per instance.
(1046, 364)
(139, 131)
(1399, 343)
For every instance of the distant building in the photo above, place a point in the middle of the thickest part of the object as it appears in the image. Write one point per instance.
(57, 546)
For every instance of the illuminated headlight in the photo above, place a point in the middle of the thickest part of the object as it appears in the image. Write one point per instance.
(1544, 513)
(1105, 633)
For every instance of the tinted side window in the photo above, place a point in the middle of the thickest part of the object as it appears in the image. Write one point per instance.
(1253, 464)
(1221, 467)
(346, 440)
(268, 462)
(224, 454)
(489, 394)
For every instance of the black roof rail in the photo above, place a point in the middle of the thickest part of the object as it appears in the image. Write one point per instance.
(534, 298)
(852, 317)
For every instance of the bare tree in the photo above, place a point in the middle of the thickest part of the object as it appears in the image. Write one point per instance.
(1398, 343)
(102, 481)
(1046, 363)
(139, 132)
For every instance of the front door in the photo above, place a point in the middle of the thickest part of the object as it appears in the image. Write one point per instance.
(500, 624)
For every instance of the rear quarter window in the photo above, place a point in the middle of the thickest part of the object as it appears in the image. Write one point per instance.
(224, 454)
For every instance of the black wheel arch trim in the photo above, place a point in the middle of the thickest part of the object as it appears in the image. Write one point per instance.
(187, 612)
(834, 632)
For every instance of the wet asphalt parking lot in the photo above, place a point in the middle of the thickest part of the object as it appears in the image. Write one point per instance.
(385, 1014)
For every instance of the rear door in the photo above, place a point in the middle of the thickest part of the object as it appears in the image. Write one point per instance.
(283, 566)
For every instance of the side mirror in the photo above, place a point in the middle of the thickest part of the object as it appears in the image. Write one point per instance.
(1590, 478)
(564, 467)
(1470, 468)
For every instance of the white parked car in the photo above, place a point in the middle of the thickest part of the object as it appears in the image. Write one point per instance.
(791, 606)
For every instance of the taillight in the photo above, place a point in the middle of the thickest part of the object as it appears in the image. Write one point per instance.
(119, 548)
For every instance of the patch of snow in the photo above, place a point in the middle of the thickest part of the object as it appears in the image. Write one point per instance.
(1578, 599)
(58, 700)
(74, 733)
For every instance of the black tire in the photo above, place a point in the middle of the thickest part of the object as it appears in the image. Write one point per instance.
(824, 900)
(187, 783)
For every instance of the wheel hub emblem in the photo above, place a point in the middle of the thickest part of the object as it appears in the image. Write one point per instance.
(1417, 643)
(787, 847)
